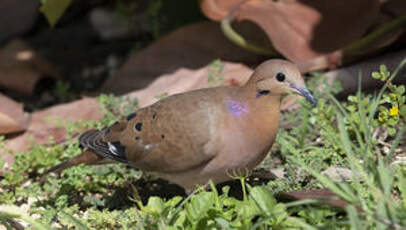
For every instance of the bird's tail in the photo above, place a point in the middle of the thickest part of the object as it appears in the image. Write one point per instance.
(96, 151)
(86, 157)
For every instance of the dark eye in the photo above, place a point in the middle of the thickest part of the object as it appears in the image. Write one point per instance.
(280, 77)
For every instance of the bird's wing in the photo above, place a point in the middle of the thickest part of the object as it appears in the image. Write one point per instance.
(172, 135)
(94, 140)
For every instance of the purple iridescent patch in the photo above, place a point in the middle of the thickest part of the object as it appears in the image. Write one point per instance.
(236, 107)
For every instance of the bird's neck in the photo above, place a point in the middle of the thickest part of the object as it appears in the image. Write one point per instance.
(259, 116)
(247, 102)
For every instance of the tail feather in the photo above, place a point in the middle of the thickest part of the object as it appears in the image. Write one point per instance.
(95, 151)
(86, 157)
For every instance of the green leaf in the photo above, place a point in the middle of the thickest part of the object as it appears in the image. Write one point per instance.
(391, 131)
(76, 222)
(392, 121)
(263, 198)
(400, 89)
(403, 111)
(199, 205)
(402, 186)
(376, 75)
(54, 9)
(221, 222)
(354, 219)
(155, 205)
(384, 72)
(382, 68)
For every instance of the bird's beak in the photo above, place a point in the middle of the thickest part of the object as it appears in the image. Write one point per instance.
(305, 93)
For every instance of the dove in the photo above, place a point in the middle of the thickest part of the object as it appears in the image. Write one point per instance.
(197, 136)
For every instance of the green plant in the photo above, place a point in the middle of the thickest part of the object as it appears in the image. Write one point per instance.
(390, 115)
(61, 91)
(161, 96)
(115, 107)
(377, 186)
(54, 9)
(215, 72)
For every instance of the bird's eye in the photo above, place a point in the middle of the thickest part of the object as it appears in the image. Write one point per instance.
(280, 77)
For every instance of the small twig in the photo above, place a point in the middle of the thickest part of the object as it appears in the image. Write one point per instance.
(376, 35)
(233, 36)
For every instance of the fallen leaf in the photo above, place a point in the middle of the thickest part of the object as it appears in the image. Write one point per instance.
(183, 80)
(394, 8)
(44, 125)
(12, 116)
(17, 17)
(183, 48)
(325, 196)
(21, 67)
(302, 29)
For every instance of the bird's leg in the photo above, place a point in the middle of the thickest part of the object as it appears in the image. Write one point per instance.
(263, 174)
(193, 190)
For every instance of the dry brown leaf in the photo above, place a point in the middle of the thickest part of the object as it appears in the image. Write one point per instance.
(183, 80)
(326, 196)
(303, 29)
(44, 123)
(192, 47)
(21, 67)
(17, 17)
(12, 116)
(394, 8)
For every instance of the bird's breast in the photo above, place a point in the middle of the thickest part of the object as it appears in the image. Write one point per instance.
(247, 137)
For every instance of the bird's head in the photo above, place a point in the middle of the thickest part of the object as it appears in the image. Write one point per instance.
(279, 77)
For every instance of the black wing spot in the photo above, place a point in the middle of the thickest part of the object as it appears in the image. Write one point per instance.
(130, 116)
(137, 138)
(138, 126)
(154, 115)
(162, 136)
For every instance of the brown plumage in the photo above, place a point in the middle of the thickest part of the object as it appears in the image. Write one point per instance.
(205, 134)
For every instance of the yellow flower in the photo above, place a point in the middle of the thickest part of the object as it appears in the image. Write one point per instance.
(394, 111)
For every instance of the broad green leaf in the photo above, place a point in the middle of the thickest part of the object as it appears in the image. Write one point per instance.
(155, 205)
(391, 131)
(54, 9)
(376, 75)
(264, 199)
(199, 205)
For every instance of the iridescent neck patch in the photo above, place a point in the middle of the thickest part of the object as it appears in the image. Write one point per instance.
(237, 108)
